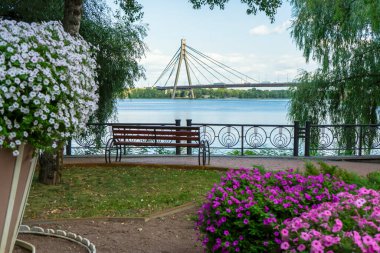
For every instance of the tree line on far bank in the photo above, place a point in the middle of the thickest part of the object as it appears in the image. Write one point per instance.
(206, 93)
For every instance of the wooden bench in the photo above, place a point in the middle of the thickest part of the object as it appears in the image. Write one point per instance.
(156, 136)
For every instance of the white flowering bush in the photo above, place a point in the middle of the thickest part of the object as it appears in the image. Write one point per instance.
(47, 84)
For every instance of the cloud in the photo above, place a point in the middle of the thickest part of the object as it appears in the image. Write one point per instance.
(260, 30)
(266, 30)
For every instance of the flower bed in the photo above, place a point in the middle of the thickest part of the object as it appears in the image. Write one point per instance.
(350, 225)
(240, 212)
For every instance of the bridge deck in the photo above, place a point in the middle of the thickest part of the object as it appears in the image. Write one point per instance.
(224, 85)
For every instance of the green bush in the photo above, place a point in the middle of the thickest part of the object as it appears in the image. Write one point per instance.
(371, 181)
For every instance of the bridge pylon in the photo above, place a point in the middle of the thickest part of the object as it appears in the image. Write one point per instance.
(183, 57)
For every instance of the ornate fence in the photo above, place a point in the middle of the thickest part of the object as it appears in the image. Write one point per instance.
(255, 139)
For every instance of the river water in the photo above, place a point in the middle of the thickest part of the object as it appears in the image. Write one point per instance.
(213, 111)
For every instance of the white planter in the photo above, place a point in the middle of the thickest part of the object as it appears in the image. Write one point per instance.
(16, 174)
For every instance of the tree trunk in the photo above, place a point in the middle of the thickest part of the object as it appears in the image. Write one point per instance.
(50, 165)
(72, 16)
(49, 169)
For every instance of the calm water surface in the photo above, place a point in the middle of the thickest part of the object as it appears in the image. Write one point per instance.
(223, 111)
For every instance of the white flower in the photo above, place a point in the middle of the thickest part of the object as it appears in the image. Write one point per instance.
(15, 152)
(14, 58)
(70, 69)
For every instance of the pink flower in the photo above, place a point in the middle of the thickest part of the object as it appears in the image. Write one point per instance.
(307, 196)
(360, 202)
(316, 244)
(336, 228)
(305, 236)
(284, 232)
(367, 240)
(327, 213)
(285, 245)
(301, 247)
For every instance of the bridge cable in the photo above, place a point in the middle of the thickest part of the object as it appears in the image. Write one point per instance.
(192, 71)
(220, 65)
(197, 61)
(199, 70)
(170, 65)
(217, 62)
(175, 56)
(211, 68)
(172, 61)
(173, 68)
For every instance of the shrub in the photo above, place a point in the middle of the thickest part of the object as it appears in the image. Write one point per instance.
(311, 169)
(371, 181)
(240, 211)
(374, 179)
(350, 225)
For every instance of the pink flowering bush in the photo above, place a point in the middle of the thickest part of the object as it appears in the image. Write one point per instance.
(240, 212)
(350, 225)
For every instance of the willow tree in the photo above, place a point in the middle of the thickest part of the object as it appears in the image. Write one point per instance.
(343, 37)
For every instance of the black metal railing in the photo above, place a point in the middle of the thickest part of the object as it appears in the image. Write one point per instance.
(344, 140)
(251, 139)
(247, 139)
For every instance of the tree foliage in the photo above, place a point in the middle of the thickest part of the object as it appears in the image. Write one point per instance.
(268, 7)
(121, 45)
(119, 36)
(206, 93)
(343, 37)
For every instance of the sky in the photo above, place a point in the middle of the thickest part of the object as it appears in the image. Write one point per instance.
(250, 44)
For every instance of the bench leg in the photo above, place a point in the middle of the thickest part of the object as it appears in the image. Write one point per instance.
(202, 153)
(107, 152)
(118, 153)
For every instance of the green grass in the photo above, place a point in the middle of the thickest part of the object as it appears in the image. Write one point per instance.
(117, 192)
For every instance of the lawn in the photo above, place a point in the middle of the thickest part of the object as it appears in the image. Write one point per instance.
(117, 192)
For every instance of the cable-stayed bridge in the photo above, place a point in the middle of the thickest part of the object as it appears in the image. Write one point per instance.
(202, 71)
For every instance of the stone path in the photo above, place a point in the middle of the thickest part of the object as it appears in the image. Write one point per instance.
(360, 166)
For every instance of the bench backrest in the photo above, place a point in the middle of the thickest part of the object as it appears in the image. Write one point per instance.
(170, 136)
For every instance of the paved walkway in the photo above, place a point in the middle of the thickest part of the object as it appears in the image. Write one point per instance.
(362, 167)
